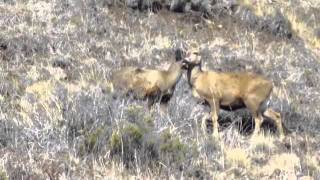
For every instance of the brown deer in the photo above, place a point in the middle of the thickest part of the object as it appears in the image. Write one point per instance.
(155, 85)
(231, 91)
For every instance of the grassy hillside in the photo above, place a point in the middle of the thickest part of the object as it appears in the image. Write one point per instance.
(60, 118)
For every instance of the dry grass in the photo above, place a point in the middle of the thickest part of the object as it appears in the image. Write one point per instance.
(304, 21)
(237, 157)
(263, 142)
(60, 118)
(285, 163)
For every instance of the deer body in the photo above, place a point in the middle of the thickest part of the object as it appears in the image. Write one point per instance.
(156, 85)
(233, 90)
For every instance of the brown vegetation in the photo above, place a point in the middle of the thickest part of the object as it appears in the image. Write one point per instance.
(59, 118)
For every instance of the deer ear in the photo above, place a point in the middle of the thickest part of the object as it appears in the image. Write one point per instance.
(178, 54)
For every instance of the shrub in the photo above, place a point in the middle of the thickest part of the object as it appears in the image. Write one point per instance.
(171, 147)
(132, 143)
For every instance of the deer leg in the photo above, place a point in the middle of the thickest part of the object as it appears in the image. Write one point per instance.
(214, 117)
(257, 121)
(159, 97)
(164, 108)
(164, 101)
(150, 102)
(253, 105)
(275, 116)
(204, 123)
(154, 98)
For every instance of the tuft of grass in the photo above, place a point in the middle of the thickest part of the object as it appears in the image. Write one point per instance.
(57, 73)
(107, 86)
(162, 42)
(42, 90)
(134, 133)
(312, 164)
(171, 148)
(91, 141)
(3, 175)
(134, 113)
(237, 157)
(260, 8)
(262, 142)
(169, 143)
(303, 30)
(148, 119)
(286, 163)
(130, 142)
(298, 24)
(40, 100)
(76, 20)
(115, 141)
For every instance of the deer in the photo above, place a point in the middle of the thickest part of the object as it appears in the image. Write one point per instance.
(151, 84)
(231, 91)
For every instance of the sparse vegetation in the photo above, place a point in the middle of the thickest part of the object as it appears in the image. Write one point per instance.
(60, 117)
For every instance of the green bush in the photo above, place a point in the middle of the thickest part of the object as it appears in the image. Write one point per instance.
(3, 175)
(129, 142)
(91, 140)
(171, 148)
(115, 142)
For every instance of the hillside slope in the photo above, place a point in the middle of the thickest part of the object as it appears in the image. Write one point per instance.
(60, 118)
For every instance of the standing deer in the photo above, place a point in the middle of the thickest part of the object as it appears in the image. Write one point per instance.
(155, 85)
(231, 91)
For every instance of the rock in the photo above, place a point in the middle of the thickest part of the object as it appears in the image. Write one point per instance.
(195, 5)
(178, 6)
(280, 26)
(153, 5)
(133, 3)
(206, 6)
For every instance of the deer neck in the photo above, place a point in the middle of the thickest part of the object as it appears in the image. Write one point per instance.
(172, 75)
(193, 73)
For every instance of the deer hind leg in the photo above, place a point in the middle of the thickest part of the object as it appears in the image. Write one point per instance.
(275, 116)
(164, 102)
(153, 98)
(257, 121)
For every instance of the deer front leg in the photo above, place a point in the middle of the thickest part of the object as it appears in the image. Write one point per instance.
(204, 123)
(215, 107)
(150, 101)
(253, 104)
